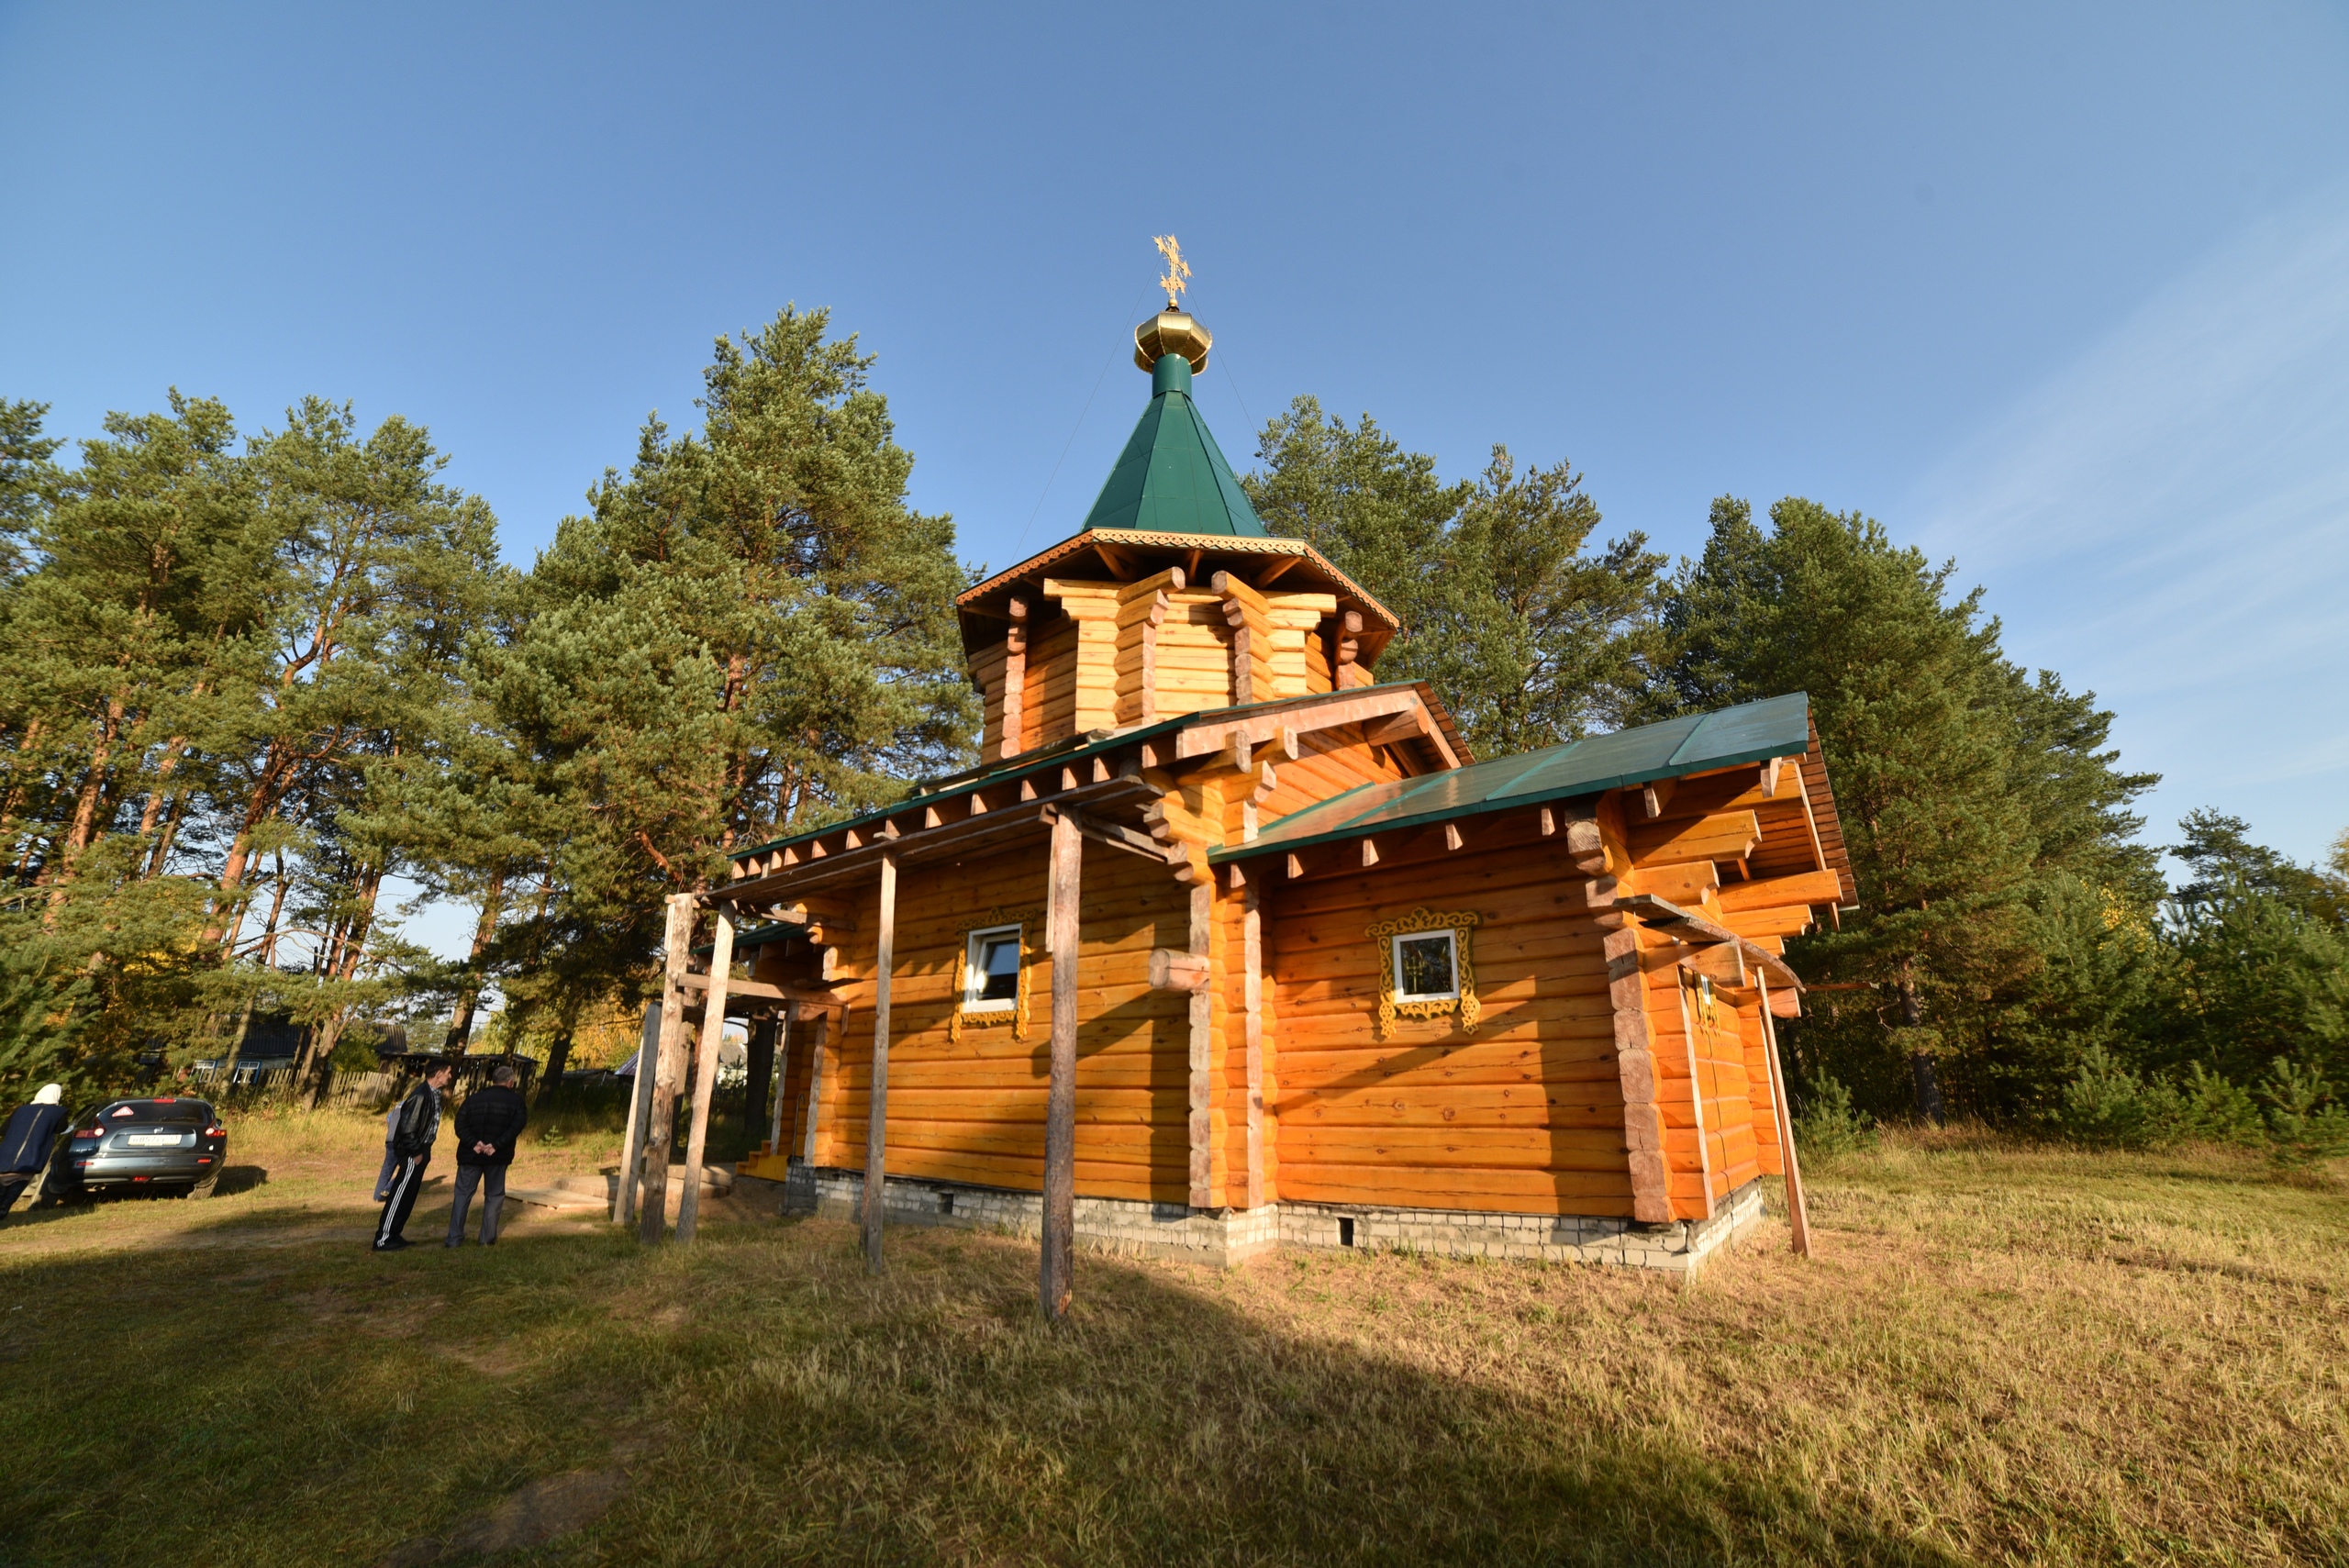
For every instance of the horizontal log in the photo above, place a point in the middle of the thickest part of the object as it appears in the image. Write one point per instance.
(1810, 888)
(1724, 835)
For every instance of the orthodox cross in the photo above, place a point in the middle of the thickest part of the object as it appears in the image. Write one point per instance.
(1178, 271)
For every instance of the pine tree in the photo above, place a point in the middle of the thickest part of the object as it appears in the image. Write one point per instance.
(1985, 820)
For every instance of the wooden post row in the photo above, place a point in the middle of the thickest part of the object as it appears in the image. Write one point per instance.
(652, 1214)
(1056, 1275)
(639, 1113)
(713, 1034)
(876, 1115)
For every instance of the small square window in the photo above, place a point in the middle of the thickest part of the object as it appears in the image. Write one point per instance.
(1427, 967)
(991, 971)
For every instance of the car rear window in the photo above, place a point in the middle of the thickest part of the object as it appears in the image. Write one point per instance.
(194, 1111)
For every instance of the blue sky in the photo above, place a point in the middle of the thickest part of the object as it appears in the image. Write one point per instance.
(2061, 293)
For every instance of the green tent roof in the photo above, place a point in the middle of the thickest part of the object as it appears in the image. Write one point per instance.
(1172, 477)
(1754, 733)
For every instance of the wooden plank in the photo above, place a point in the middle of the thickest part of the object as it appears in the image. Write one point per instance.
(713, 1031)
(1056, 1271)
(876, 1155)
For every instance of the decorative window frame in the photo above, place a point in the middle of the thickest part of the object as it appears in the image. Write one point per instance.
(1422, 919)
(964, 1016)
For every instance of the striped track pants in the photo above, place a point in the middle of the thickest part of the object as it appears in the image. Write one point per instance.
(402, 1201)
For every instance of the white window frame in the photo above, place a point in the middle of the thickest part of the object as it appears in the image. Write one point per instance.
(1452, 942)
(975, 978)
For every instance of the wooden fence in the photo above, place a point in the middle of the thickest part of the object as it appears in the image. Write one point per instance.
(349, 1086)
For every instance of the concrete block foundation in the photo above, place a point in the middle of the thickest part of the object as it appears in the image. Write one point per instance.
(1223, 1239)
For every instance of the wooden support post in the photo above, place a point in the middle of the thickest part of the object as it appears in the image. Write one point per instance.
(758, 1080)
(780, 1054)
(639, 1113)
(1056, 1281)
(1349, 673)
(1635, 1065)
(876, 1113)
(713, 1035)
(652, 1203)
(1015, 680)
(1202, 1075)
(820, 1051)
(1681, 981)
(1251, 941)
(1797, 1212)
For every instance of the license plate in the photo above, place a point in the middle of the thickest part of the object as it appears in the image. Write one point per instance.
(154, 1140)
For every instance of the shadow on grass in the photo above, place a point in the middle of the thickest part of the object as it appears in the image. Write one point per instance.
(773, 1403)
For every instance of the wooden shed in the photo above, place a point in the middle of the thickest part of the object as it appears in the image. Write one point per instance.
(1225, 945)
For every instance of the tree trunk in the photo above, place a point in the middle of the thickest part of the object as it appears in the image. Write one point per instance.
(85, 810)
(355, 946)
(461, 1023)
(1920, 1062)
(558, 1058)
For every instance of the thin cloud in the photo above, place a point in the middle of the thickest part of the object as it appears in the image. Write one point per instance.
(2167, 519)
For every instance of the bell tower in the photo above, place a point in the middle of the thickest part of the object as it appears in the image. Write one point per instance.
(1172, 597)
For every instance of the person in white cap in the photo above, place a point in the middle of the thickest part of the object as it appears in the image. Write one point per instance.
(25, 1144)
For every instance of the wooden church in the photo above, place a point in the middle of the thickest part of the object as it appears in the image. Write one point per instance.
(1228, 945)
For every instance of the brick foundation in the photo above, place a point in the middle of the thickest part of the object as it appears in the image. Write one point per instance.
(1233, 1236)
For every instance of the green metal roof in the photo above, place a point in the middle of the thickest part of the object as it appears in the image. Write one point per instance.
(1753, 732)
(1172, 477)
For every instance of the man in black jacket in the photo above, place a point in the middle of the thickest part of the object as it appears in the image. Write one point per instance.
(412, 1137)
(488, 1123)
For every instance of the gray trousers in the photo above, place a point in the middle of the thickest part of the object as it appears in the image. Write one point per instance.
(491, 1179)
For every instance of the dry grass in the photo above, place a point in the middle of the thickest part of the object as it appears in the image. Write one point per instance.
(1999, 1354)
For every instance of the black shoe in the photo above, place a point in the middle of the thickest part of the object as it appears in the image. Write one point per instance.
(397, 1243)
(457, 1243)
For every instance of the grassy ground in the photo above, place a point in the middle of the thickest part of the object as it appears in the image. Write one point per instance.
(1998, 1354)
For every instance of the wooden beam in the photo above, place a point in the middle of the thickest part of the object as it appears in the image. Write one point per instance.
(1798, 1211)
(876, 1118)
(1172, 970)
(1409, 725)
(1252, 938)
(1116, 835)
(1369, 853)
(1726, 835)
(1635, 1067)
(1696, 929)
(1655, 796)
(819, 1045)
(1452, 839)
(1808, 889)
(1015, 679)
(763, 991)
(1272, 573)
(652, 1203)
(1200, 1124)
(640, 1116)
(778, 1032)
(1695, 1095)
(1055, 1281)
(959, 835)
(713, 1034)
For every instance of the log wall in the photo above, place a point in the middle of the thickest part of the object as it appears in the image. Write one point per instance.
(972, 1110)
(1526, 1115)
